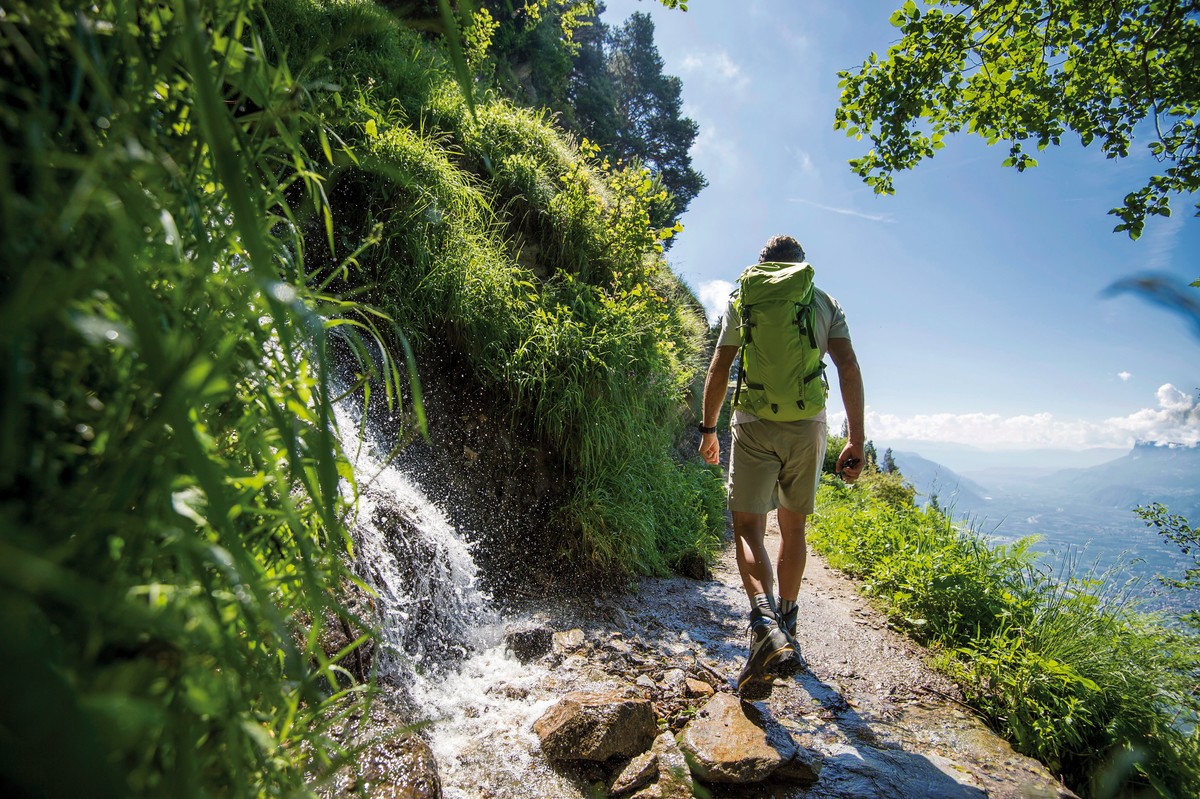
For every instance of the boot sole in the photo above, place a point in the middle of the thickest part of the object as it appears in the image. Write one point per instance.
(780, 663)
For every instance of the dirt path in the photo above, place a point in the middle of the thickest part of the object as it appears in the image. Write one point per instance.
(885, 723)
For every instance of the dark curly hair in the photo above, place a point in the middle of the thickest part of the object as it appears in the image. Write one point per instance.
(781, 249)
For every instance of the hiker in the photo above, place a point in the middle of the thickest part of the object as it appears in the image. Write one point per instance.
(781, 325)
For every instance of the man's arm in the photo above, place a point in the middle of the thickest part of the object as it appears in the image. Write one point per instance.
(716, 386)
(851, 384)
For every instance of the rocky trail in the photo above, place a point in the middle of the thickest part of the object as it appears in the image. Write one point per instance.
(561, 708)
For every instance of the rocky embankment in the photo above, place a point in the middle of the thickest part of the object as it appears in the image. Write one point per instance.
(631, 695)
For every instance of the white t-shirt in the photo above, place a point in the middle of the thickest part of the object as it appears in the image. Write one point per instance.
(829, 322)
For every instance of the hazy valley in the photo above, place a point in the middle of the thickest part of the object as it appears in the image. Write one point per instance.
(1083, 515)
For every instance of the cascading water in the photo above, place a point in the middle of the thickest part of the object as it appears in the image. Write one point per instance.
(443, 647)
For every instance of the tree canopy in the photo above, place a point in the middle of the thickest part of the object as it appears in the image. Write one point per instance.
(1027, 72)
(605, 83)
(651, 127)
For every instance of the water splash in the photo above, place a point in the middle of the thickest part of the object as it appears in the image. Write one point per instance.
(442, 643)
(429, 603)
(482, 729)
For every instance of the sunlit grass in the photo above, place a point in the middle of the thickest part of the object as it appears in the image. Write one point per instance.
(170, 493)
(1064, 665)
(183, 189)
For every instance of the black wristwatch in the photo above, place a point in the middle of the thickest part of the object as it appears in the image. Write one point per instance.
(704, 429)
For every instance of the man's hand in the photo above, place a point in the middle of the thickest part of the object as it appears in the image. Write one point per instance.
(850, 462)
(710, 448)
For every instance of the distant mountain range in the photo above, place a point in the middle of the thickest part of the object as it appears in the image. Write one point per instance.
(1150, 473)
(968, 460)
(1169, 474)
(1081, 520)
(933, 479)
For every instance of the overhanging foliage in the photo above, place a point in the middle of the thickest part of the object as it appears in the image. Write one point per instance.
(1027, 72)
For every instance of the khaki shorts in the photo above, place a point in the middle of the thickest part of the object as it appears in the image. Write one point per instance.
(775, 463)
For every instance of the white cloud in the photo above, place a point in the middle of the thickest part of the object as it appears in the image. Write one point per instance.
(717, 156)
(717, 68)
(846, 211)
(729, 71)
(806, 162)
(1124, 376)
(985, 430)
(1175, 420)
(713, 296)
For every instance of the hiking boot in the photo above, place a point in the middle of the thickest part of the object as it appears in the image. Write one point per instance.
(771, 654)
(787, 621)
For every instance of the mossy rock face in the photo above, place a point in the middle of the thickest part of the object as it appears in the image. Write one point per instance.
(495, 482)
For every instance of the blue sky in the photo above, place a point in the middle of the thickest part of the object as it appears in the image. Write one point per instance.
(974, 293)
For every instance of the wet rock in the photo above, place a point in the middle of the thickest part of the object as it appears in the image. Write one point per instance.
(403, 769)
(528, 642)
(867, 773)
(388, 768)
(674, 682)
(593, 726)
(732, 741)
(661, 773)
(804, 767)
(616, 647)
(674, 776)
(568, 641)
(639, 772)
(345, 626)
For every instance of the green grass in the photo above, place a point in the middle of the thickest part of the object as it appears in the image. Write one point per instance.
(190, 196)
(1063, 665)
(169, 499)
(536, 261)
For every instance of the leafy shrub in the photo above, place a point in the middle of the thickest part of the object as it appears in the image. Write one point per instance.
(179, 185)
(587, 338)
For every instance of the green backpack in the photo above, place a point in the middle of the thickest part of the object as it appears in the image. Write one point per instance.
(782, 374)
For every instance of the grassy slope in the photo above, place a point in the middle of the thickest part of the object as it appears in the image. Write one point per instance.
(170, 515)
(513, 245)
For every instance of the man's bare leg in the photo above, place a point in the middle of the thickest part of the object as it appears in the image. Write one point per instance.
(754, 564)
(793, 553)
(772, 652)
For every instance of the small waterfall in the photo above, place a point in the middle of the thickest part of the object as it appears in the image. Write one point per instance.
(429, 606)
(443, 644)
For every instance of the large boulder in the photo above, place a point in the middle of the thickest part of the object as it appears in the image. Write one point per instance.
(596, 727)
(733, 742)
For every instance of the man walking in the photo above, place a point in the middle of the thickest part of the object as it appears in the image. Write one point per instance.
(782, 326)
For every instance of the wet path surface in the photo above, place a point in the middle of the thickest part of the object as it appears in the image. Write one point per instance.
(882, 722)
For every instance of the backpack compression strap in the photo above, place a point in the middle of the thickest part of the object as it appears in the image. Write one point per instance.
(804, 327)
(745, 328)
